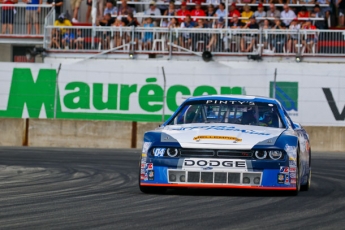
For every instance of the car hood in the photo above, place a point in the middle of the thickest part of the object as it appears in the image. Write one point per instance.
(220, 136)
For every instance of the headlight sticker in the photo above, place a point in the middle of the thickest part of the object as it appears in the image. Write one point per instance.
(146, 147)
(225, 138)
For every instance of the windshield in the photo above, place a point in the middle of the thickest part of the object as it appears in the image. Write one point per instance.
(233, 112)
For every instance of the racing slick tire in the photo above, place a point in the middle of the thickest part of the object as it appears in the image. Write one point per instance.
(152, 190)
(305, 187)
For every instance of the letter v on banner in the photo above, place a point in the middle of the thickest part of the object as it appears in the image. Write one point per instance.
(330, 99)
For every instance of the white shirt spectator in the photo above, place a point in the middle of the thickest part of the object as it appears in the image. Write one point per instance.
(112, 11)
(290, 15)
(156, 12)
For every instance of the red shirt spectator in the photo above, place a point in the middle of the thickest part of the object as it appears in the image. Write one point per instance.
(182, 12)
(197, 11)
(233, 10)
(8, 2)
(304, 13)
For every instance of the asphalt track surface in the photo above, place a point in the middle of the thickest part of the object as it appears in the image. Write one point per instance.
(53, 188)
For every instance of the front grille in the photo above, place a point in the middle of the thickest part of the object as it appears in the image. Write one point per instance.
(221, 153)
(197, 153)
(198, 177)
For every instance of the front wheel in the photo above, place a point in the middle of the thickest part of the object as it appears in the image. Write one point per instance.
(305, 187)
(152, 189)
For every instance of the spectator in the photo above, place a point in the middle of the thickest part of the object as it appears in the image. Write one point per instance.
(233, 10)
(278, 40)
(57, 4)
(171, 11)
(163, 7)
(251, 39)
(325, 10)
(183, 12)
(310, 38)
(197, 12)
(173, 24)
(153, 10)
(200, 38)
(221, 12)
(110, 8)
(132, 22)
(235, 38)
(276, 1)
(148, 36)
(31, 15)
(210, 13)
(75, 5)
(216, 41)
(7, 15)
(341, 10)
(124, 9)
(185, 39)
(320, 24)
(293, 37)
(105, 36)
(307, 2)
(247, 13)
(287, 15)
(79, 41)
(303, 13)
(266, 37)
(88, 10)
(260, 13)
(62, 22)
(67, 39)
(273, 12)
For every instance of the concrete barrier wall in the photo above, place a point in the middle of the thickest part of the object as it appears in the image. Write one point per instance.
(79, 133)
(12, 132)
(327, 139)
(117, 134)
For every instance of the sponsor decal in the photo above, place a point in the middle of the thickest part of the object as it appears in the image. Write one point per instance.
(149, 166)
(292, 163)
(214, 164)
(143, 160)
(225, 102)
(287, 181)
(146, 147)
(143, 165)
(142, 171)
(281, 178)
(223, 128)
(159, 152)
(143, 155)
(293, 169)
(225, 138)
(293, 180)
(207, 168)
(292, 175)
(151, 174)
(287, 94)
(142, 176)
(284, 169)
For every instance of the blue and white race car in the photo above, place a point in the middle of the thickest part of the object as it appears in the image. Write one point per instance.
(235, 142)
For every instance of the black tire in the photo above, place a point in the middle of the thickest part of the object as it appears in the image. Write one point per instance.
(305, 187)
(152, 189)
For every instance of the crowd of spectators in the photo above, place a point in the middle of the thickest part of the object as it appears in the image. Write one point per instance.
(196, 16)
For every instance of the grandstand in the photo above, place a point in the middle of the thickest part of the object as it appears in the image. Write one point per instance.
(165, 29)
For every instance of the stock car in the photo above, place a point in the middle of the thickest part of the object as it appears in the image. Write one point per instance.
(233, 142)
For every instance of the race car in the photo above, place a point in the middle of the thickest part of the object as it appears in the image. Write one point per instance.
(233, 142)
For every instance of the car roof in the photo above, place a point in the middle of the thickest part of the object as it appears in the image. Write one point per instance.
(235, 97)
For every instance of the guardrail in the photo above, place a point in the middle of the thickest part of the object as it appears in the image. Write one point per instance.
(186, 41)
(24, 19)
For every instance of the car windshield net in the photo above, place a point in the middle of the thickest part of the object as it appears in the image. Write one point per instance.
(233, 112)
